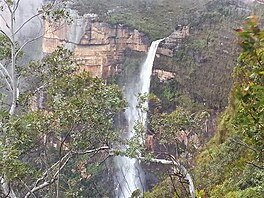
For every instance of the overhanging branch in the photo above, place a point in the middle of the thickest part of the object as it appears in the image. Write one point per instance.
(177, 165)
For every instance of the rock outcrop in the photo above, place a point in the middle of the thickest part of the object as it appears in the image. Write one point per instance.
(100, 47)
(163, 75)
(170, 45)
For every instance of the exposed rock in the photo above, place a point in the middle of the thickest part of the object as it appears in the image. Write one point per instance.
(172, 42)
(98, 46)
(163, 75)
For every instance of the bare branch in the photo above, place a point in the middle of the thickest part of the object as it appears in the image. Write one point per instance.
(7, 83)
(91, 151)
(7, 5)
(8, 191)
(240, 142)
(28, 188)
(179, 166)
(27, 42)
(27, 21)
(5, 71)
(61, 163)
(255, 165)
(67, 157)
(40, 12)
(4, 21)
(16, 6)
(43, 185)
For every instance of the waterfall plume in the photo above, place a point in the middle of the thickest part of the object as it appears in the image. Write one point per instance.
(129, 175)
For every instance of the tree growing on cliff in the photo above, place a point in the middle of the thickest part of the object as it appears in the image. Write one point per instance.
(60, 115)
(232, 165)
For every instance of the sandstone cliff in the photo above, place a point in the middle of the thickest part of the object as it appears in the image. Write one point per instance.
(101, 47)
(98, 46)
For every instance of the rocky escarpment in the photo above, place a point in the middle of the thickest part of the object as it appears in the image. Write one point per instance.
(100, 47)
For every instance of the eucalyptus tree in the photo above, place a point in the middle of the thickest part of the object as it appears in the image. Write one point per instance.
(62, 113)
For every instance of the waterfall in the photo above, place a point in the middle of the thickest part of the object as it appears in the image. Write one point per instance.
(75, 30)
(129, 175)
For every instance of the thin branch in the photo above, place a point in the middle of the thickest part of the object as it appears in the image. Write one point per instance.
(51, 181)
(187, 175)
(255, 165)
(34, 16)
(28, 188)
(6, 72)
(7, 83)
(7, 190)
(178, 165)
(8, 7)
(27, 42)
(141, 182)
(43, 185)
(91, 151)
(60, 153)
(65, 159)
(243, 144)
(16, 6)
(173, 185)
(27, 21)
(4, 21)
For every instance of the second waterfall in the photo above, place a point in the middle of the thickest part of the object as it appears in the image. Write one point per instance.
(129, 175)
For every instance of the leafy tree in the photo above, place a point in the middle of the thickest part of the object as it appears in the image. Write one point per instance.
(61, 115)
(249, 85)
(233, 166)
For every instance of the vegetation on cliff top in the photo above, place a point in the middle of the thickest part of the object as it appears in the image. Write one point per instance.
(203, 62)
(156, 18)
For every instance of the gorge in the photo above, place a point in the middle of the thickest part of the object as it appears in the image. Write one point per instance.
(99, 106)
(100, 48)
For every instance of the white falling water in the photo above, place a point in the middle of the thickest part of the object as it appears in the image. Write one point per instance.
(76, 30)
(129, 176)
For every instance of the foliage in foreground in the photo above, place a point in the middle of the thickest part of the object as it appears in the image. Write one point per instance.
(232, 165)
(72, 114)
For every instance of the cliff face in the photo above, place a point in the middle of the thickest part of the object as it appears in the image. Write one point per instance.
(100, 47)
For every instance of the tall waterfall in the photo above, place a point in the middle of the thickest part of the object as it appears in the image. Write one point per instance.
(129, 176)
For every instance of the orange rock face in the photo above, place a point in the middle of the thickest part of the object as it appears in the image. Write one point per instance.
(99, 47)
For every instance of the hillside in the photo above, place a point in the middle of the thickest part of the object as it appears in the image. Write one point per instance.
(229, 165)
(204, 61)
(93, 117)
